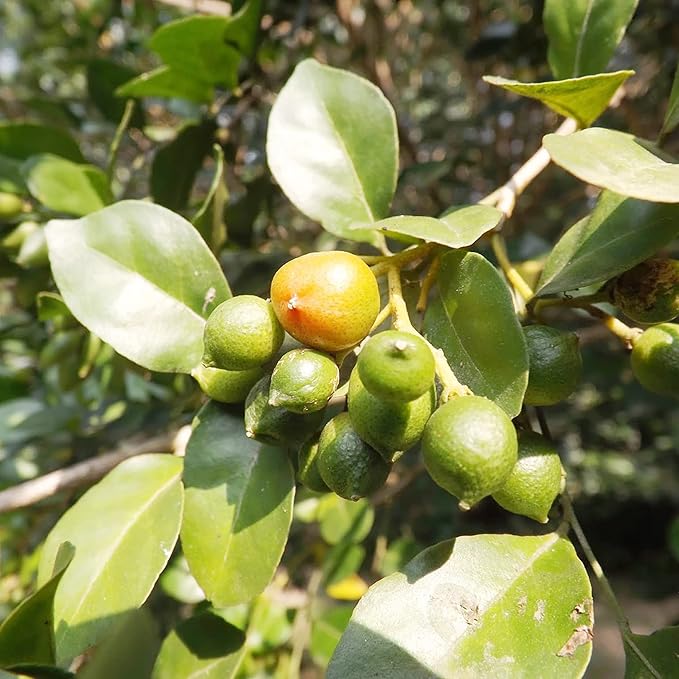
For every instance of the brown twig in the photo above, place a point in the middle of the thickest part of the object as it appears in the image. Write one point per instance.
(81, 474)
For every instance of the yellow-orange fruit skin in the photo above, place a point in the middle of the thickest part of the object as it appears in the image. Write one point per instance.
(326, 300)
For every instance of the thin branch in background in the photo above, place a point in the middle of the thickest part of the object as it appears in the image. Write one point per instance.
(87, 472)
(212, 7)
(117, 138)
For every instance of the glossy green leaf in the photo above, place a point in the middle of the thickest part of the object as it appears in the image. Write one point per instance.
(344, 520)
(27, 633)
(657, 650)
(672, 113)
(616, 161)
(473, 321)
(326, 631)
(583, 34)
(481, 606)
(584, 99)
(239, 496)
(64, 186)
(103, 78)
(458, 228)
(21, 140)
(196, 45)
(336, 162)
(124, 530)
(129, 651)
(141, 278)
(620, 233)
(175, 166)
(167, 82)
(204, 646)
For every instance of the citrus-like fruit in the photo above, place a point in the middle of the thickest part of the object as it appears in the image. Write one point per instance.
(388, 426)
(242, 332)
(555, 365)
(307, 468)
(348, 465)
(535, 481)
(226, 386)
(396, 366)
(655, 359)
(10, 205)
(271, 424)
(303, 381)
(326, 300)
(469, 447)
(649, 293)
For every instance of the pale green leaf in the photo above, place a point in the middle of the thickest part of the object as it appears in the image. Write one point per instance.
(141, 278)
(205, 647)
(472, 319)
(659, 650)
(64, 186)
(124, 530)
(616, 161)
(343, 520)
(239, 496)
(332, 146)
(583, 34)
(620, 233)
(326, 631)
(458, 228)
(481, 606)
(167, 82)
(584, 99)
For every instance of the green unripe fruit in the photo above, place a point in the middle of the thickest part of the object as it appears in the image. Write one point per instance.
(396, 366)
(655, 359)
(388, 426)
(649, 293)
(241, 333)
(226, 386)
(307, 468)
(303, 381)
(33, 250)
(348, 465)
(555, 365)
(276, 425)
(469, 448)
(20, 233)
(10, 205)
(535, 481)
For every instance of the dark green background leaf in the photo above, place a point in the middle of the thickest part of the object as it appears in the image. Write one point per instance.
(473, 320)
(481, 606)
(620, 233)
(20, 140)
(583, 34)
(672, 113)
(239, 496)
(659, 648)
(141, 278)
(103, 78)
(167, 82)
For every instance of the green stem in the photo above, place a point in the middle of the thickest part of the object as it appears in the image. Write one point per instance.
(382, 263)
(515, 279)
(117, 137)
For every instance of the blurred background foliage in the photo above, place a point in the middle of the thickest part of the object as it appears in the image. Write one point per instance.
(65, 397)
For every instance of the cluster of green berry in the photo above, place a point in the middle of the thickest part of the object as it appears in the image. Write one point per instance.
(329, 302)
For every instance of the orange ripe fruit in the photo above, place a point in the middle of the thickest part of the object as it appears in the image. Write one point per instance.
(326, 300)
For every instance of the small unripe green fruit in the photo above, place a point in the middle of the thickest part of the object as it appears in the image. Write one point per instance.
(535, 480)
(469, 447)
(303, 381)
(307, 468)
(649, 293)
(396, 366)
(655, 359)
(276, 425)
(11, 205)
(347, 464)
(555, 365)
(391, 427)
(226, 386)
(241, 333)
